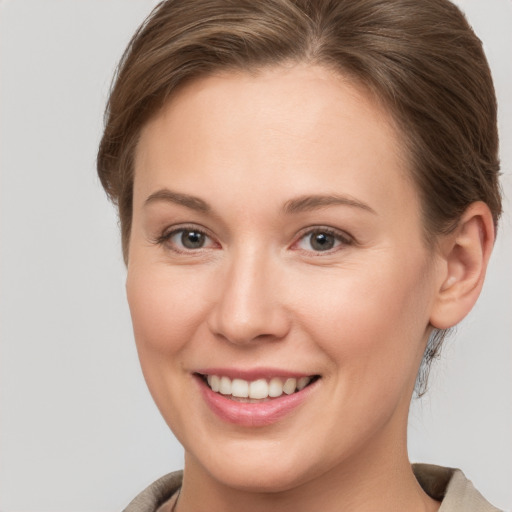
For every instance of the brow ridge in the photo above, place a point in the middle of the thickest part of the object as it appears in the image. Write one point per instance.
(189, 201)
(297, 205)
(314, 202)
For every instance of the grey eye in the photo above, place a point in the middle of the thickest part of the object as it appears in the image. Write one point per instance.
(191, 239)
(187, 239)
(321, 241)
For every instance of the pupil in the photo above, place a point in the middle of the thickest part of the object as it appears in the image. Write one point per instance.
(192, 239)
(322, 241)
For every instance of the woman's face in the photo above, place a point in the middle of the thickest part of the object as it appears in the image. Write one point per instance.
(276, 236)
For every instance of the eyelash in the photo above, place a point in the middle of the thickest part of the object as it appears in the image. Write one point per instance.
(343, 238)
(166, 236)
(339, 236)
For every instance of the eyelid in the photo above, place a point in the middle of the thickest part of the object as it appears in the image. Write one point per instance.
(168, 233)
(341, 236)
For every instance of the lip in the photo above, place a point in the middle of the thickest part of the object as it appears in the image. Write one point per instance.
(252, 414)
(251, 374)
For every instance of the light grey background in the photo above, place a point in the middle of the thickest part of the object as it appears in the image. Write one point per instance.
(79, 432)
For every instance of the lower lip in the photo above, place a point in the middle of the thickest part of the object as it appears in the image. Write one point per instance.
(253, 414)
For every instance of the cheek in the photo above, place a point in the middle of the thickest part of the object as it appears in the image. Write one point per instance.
(164, 310)
(165, 313)
(372, 323)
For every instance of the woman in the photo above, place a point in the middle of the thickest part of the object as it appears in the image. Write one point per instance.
(308, 195)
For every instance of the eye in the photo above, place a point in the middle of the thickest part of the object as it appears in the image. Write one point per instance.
(186, 240)
(189, 238)
(322, 240)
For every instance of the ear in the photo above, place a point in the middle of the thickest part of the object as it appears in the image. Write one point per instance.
(464, 256)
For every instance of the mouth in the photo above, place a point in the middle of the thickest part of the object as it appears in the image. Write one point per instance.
(256, 391)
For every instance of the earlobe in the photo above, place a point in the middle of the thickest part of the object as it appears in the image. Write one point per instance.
(465, 255)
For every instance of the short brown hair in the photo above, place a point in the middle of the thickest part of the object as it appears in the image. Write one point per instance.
(420, 58)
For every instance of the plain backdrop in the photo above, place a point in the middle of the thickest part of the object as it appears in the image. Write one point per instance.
(79, 432)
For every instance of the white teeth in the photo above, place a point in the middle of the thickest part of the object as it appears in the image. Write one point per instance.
(214, 381)
(240, 388)
(225, 386)
(290, 386)
(257, 389)
(303, 382)
(275, 387)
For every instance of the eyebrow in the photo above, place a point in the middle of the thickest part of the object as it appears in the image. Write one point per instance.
(315, 202)
(192, 202)
(300, 204)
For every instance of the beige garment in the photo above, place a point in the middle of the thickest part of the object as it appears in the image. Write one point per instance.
(443, 484)
(452, 488)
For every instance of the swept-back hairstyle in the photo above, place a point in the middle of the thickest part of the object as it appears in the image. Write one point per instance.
(421, 59)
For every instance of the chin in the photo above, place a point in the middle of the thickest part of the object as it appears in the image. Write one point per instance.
(263, 469)
(260, 479)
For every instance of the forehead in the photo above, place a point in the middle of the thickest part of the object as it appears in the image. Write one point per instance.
(296, 128)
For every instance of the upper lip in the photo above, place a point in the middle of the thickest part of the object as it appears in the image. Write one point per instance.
(251, 374)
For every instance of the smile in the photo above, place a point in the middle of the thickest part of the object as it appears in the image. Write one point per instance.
(256, 401)
(257, 390)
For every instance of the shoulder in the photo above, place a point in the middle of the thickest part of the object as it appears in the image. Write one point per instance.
(157, 493)
(452, 487)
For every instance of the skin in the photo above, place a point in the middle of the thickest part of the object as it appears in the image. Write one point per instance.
(258, 294)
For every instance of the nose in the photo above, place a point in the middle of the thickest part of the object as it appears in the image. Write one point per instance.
(249, 304)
